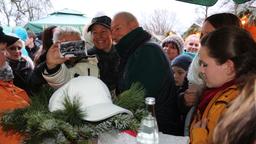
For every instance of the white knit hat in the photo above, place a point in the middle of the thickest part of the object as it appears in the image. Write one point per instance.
(93, 95)
(174, 39)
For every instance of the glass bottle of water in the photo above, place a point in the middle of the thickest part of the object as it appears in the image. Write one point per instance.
(148, 131)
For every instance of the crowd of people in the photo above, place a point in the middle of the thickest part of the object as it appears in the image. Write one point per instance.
(203, 85)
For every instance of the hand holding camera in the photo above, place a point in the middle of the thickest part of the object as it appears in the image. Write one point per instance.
(62, 51)
(73, 49)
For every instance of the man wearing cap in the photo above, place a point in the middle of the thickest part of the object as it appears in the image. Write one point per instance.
(108, 59)
(11, 97)
(143, 61)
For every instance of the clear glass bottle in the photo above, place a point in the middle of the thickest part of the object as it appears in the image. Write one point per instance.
(148, 131)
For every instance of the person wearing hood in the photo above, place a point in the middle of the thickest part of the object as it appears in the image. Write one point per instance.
(23, 35)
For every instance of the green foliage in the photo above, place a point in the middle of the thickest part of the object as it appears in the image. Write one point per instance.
(67, 126)
(133, 98)
(42, 97)
(14, 120)
(72, 113)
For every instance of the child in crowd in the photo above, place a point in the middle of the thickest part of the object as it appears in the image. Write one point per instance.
(180, 67)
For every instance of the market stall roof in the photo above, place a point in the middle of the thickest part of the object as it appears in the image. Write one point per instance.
(65, 17)
(210, 2)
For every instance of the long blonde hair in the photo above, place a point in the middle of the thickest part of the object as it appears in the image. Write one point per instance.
(238, 124)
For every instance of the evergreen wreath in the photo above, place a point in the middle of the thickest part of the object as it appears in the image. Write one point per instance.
(67, 126)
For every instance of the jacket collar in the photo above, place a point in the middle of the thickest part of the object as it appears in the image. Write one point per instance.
(224, 96)
(130, 42)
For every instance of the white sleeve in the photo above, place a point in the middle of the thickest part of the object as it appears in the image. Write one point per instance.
(64, 74)
(59, 78)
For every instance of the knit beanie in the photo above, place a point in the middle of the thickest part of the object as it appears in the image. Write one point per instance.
(176, 40)
(182, 61)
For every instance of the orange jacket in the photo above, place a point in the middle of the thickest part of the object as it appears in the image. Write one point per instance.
(216, 107)
(11, 97)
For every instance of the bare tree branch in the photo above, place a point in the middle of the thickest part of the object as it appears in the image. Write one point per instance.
(7, 10)
(160, 22)
(24, 10)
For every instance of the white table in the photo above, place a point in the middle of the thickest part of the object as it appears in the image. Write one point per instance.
(122, 138)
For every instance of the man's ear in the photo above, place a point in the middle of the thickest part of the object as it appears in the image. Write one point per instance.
(132, 25)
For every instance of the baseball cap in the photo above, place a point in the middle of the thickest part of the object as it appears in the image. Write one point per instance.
(7, 38)
(102, 20)
(93, 95)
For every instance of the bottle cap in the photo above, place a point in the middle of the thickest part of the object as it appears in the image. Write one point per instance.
(150, 100)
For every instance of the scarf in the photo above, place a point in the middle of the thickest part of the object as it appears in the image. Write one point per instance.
(6, 73)
(127, 46)
(129, 43)
(209, 93)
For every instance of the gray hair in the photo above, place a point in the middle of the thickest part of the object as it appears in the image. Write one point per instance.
(60, 31)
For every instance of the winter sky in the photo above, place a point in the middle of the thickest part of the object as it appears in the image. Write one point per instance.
(185, 13)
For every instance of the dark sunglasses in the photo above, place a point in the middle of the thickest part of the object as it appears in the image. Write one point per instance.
(14, 48)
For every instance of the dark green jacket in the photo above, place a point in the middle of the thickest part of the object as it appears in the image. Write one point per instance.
(144, 61)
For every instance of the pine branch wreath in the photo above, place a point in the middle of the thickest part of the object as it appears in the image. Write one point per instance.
(67, 126)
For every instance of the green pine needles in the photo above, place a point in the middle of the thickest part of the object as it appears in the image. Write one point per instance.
(67, 126)
(133, 98)
(72, 113)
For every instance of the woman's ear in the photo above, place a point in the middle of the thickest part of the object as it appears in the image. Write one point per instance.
(229, 67)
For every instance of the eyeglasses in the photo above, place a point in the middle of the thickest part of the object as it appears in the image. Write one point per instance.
(15, 48)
